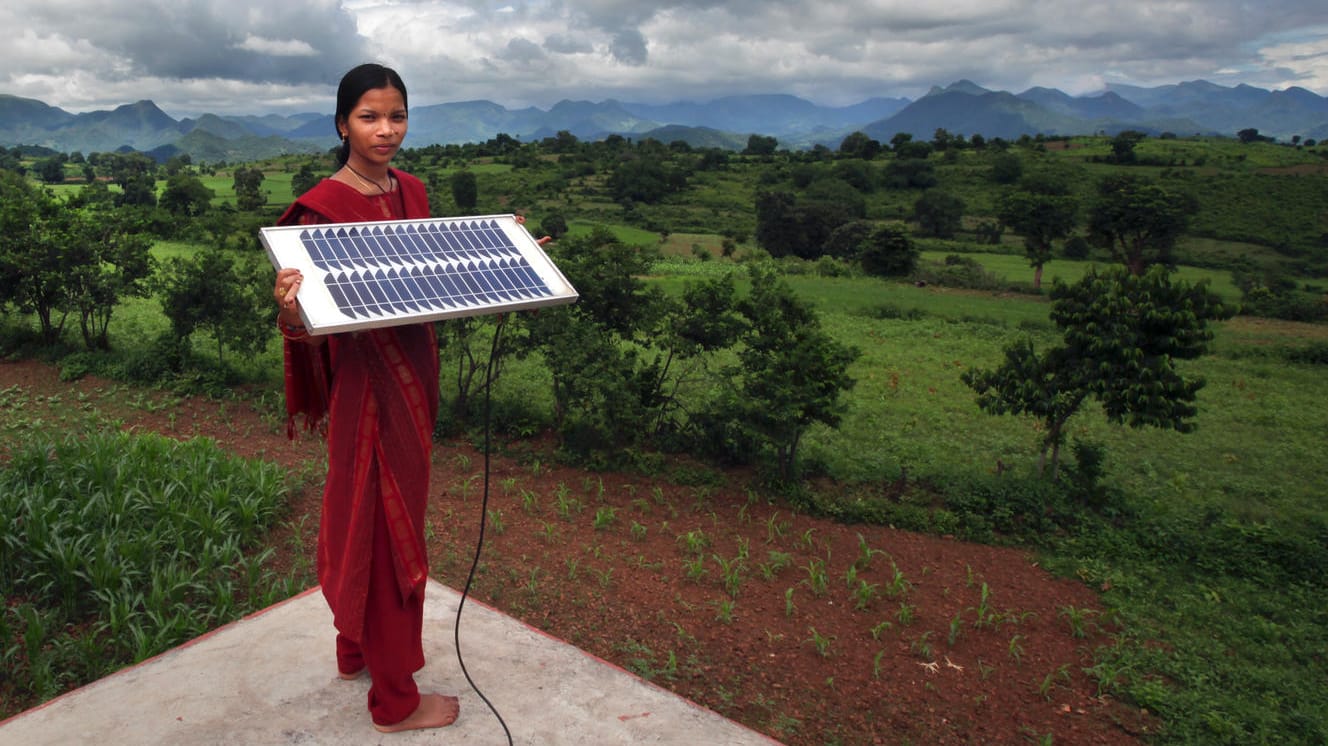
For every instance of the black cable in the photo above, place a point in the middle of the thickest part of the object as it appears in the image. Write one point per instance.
(479, 544)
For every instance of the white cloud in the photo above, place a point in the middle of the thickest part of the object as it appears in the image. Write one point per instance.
(277, 47)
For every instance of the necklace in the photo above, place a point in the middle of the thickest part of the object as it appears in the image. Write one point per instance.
(370, 182)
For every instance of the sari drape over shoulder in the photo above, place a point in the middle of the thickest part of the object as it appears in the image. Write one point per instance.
(375, 394)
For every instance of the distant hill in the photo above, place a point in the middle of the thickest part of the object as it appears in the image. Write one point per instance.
(963, 107)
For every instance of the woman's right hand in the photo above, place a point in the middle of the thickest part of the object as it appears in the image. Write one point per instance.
(285, 290)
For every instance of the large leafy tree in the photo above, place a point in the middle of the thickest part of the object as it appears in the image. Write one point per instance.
(32, 254)
(1042, 211)
(1139, 221)
(109, 261)
(465, 190)
(248, 185)
(939, 213)
(1122, 335)
(56, 259)
(135, 174)
(220, 292)
(791, 372)
(186, 195)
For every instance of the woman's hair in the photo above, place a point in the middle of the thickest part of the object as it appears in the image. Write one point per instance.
(354, 84)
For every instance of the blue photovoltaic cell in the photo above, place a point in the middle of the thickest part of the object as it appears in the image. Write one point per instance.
(388, 270)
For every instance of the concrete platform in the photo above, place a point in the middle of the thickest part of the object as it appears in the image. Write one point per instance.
(271, 679)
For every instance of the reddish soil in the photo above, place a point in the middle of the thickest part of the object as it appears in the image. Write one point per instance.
(633, 568)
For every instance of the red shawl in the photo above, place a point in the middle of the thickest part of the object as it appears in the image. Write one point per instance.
(376, 392)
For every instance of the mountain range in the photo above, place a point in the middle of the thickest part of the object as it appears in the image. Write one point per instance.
(1192, 108)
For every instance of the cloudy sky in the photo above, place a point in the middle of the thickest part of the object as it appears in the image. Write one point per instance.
(285, 56)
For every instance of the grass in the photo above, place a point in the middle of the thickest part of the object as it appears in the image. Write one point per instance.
(117, 547)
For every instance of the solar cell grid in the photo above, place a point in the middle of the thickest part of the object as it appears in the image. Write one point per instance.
(377, 274)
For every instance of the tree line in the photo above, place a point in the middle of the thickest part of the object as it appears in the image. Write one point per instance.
(630, 368)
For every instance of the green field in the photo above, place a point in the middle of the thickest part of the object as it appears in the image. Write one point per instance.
(1208, 548)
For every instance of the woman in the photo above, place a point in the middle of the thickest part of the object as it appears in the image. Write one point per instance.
(376, 392)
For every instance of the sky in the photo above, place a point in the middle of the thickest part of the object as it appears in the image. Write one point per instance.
(286, 56)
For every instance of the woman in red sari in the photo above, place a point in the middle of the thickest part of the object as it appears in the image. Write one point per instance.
(376, 392)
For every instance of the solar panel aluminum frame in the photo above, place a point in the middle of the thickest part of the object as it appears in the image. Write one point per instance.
(514, 273)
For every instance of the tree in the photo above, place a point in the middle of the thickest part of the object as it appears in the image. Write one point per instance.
(791, 372)
(56, 259)
(108, 262)
(860, 145)
(909, 173)
(186, 195)
(465, 190)
(554, 224)
(1042, 215)
(761, 145)
(248, 184)
(51, 170)
(1249, 135)
(1138, 221)
(1121, 335)
(603, 351)
(789, 226)
(888, 252)
(304, 179)
(1006, 168)
(33, 276)
(939, 213)
(135, 174)
(641, 179)
(217, 292)
(1122, 146)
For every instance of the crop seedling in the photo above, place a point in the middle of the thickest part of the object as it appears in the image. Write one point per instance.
(695, 568)
(724, 610)
(496, 521)
(851, 576)
(1049, 681)
(865, 554)
(694, 541)
(821, 642)
(529, 501)
(774, 528)
(1078, 619)
(731, 571)
(956, 625)
(899, 585)
(921, 646)
(863, 595)
(808, 540)
(1016, 648)
(905, 613)
(816, 577)
(605, 517)
(788, 602)
(638, 531)
(775, 563)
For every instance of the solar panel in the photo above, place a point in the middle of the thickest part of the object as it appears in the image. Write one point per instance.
(365, 275)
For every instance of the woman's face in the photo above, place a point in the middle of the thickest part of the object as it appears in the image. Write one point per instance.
(375, 128)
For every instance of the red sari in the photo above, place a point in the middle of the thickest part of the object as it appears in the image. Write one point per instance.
(376, 392)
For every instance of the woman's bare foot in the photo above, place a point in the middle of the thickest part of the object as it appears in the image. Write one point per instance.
(435, 711)
(351, 676)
